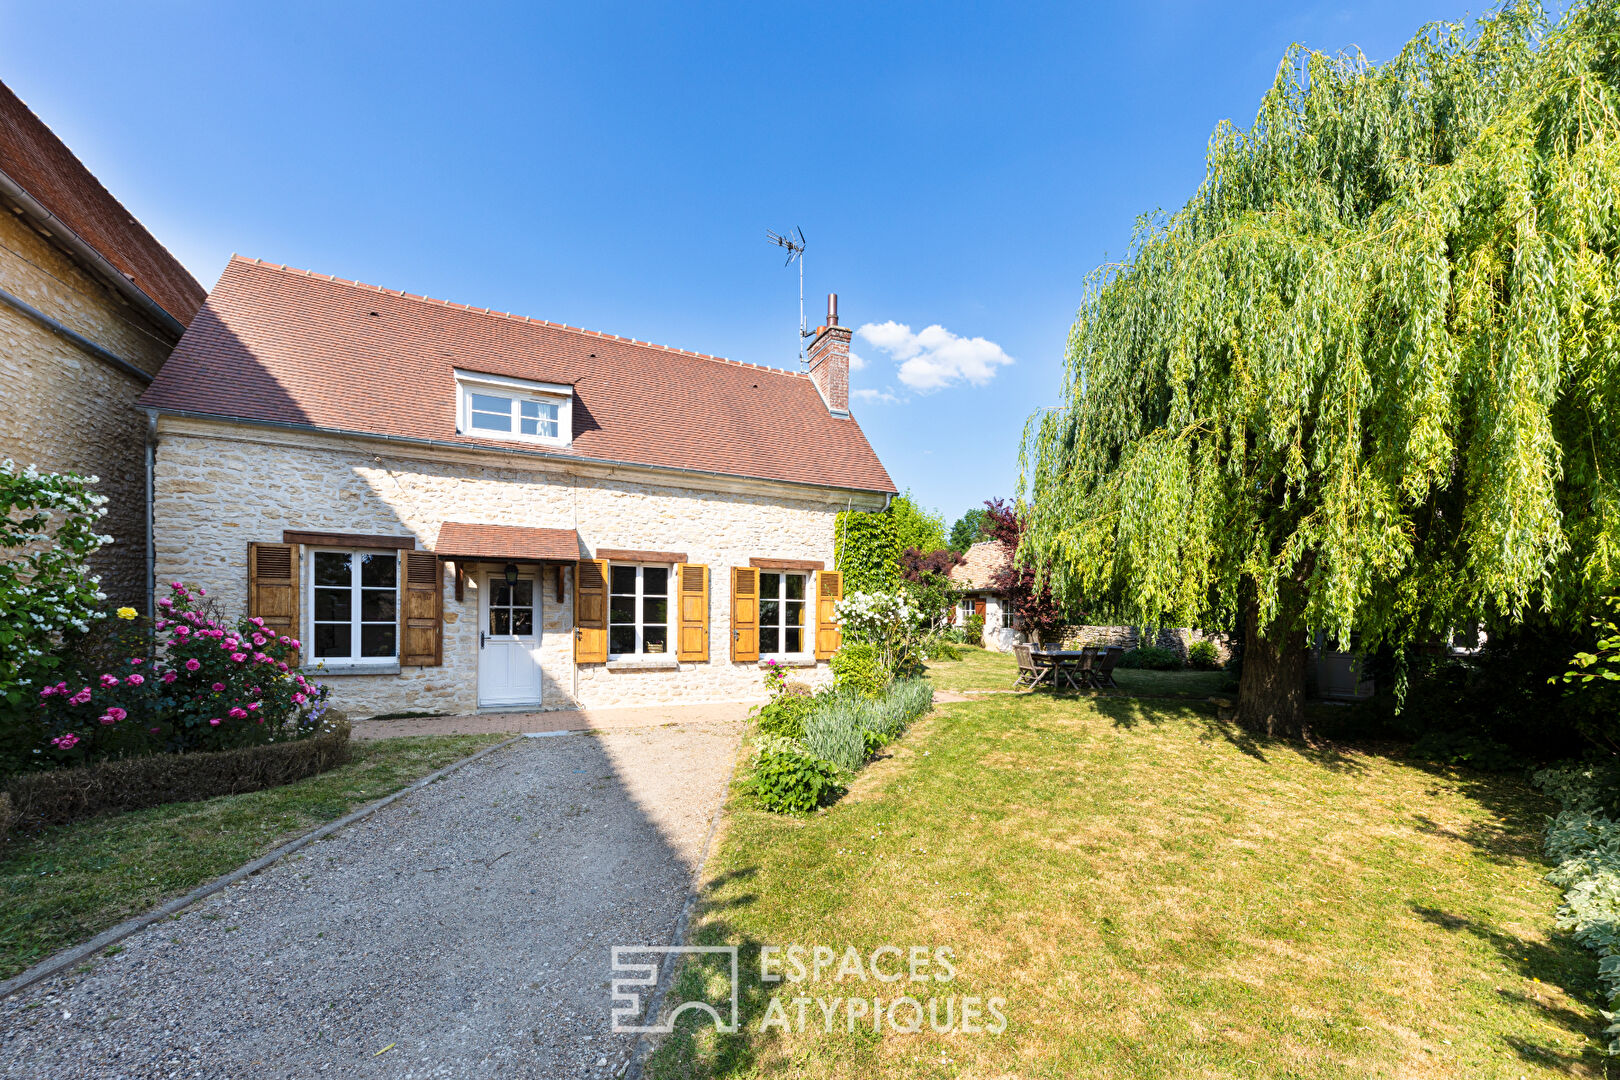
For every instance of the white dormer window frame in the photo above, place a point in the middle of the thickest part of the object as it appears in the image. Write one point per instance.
(534, 412)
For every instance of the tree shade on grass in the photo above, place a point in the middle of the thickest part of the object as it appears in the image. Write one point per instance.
(1365, 380)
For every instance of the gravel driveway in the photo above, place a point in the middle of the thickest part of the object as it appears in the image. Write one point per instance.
(461, 931)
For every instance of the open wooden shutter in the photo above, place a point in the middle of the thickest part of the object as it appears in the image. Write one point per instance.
(273, 586)
(829, 590)
(421, 614)
(692, 612)
(590, 612)
(744, 613)
(978, 607)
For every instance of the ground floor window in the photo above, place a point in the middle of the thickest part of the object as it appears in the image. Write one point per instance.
(353, 613)
(781, 613)
(638, 609)
(964, 612)
(1006, 617)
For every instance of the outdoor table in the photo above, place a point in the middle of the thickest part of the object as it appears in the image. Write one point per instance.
(1063, 662)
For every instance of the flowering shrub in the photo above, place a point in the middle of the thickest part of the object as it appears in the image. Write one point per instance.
(200, 683)
(775, 677)
(899, 634)
(47, 593)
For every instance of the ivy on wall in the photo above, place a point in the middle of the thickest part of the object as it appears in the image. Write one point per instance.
(866, 550)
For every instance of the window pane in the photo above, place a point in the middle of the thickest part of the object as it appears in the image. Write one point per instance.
(332, 605)
(655, 639)
(377, 570)
(622, 639)
(770, 613)
(655, 609)
(622, 609)
(332, 568)
(376, 605)
(377, 640)
(523, 593)
(501, 595)
(624, 579)
(770, 586)
(331, 640)
(795, 613)
(491, 413)
(491, 421)
(500, 620)
(523, 622)
(655, 580)
(794, 639)
(770, 639)
(795, 586)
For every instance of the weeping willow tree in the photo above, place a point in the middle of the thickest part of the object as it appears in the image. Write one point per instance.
(1365, 381)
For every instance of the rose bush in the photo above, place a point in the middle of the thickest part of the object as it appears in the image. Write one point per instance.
(194, 681)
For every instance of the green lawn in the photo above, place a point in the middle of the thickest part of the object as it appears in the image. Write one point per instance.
(981, 669)
(65, 884)
(1155, 895)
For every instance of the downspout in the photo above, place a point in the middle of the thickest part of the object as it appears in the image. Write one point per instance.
(151, 513)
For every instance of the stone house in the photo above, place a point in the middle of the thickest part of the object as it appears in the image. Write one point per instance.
(456, 509)
(974, 576)
(91, 305)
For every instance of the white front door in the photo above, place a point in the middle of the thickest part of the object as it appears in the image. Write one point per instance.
(509, 642)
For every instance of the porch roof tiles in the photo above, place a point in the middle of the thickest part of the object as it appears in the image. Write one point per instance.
(464, 540)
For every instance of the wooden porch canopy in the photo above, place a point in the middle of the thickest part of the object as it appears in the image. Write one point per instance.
(507, 543)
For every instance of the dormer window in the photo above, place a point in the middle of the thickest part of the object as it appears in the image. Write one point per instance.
(514, 410)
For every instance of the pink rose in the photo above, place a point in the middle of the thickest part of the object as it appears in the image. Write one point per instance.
(48, 691)
(218, 687)
(193, 664)
(169, 676)
(135, 680)
(253, 705)
(260, 658)
(256, 621)
(165, 602)
(237, 712)
(258, 639)
(281, 665)
(202, 592)
(65, 742)
(154, 730)
(113, 715)
(109, 680)
(299, 698)
(80, 698)
(295, 644)
(135, 660)
(239, 656)
(214, 722)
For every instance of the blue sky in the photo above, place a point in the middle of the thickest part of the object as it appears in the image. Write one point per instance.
(615, 166)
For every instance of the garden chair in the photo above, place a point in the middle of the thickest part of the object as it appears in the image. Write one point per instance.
(1103, 674)
(1030, 674)
(1077, 672)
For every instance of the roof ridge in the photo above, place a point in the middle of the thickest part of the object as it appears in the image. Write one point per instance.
(513, 318)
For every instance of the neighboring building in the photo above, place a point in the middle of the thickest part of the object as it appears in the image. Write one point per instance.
(90, 308)
(458, 509)
(975, 577)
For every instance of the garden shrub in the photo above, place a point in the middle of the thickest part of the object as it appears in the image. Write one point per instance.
(835, 730)
(62, 795)
(974, 627)
(784, 715)
(856, 666)
(789, 779)
(1151, 657)
(1460, 748)
(1203, 656)
(866, 550)
(195, 681)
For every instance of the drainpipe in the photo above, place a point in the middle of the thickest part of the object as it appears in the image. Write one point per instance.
(151, 513)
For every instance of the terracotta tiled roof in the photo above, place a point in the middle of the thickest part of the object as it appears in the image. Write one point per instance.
(458, 538)
(289, 346)
(983, 560)
(38, 162)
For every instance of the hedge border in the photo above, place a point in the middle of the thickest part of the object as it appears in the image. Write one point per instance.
(77, 953)
(63, 795)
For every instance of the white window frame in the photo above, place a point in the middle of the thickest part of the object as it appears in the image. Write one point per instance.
(354, 659)
(806, 628)
(1006, 616)
(515, 391)
(641, 594)
(964, 611)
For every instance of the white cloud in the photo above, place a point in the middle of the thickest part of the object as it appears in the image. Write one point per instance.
(877, 397)
(856, 362)
(934, 358)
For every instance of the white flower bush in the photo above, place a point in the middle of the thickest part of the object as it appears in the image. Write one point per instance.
(889, 623)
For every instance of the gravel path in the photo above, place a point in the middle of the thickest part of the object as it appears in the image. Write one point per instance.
(462, 931)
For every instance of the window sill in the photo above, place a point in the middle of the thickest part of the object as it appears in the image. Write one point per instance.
(647, 662)
(802, 659)
(348, 668)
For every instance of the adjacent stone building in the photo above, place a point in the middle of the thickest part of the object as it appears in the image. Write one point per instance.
(975, 576)
(455, 509)
(90, 308)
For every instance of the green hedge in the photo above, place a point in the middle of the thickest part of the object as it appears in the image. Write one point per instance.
(62, 795)
(866, 550)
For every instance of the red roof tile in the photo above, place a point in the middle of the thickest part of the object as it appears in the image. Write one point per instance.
(460, 539)
(293, 347)
(39, 163)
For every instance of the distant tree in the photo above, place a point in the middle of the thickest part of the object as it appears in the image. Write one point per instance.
(968, 530)
(1030, 597)
(915, 527)
(926, 578)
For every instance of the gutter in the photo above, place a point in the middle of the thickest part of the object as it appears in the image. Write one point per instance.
(444, 444)
(64, 235)
(67, 333)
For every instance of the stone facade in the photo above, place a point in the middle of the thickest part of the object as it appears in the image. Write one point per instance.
(219, 486)
(68, 410)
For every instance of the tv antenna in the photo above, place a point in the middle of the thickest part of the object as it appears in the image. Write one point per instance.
(795, 250)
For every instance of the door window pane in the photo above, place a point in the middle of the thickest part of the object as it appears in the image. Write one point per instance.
(500, 620)
(511, 608)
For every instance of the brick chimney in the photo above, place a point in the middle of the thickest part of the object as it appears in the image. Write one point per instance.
(829, 361)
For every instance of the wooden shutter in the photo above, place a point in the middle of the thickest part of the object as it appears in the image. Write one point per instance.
(744, 613)
(421, 612)
(692, 612)
(829, 590)
(273, 586)
(590, 612)
(978, 607)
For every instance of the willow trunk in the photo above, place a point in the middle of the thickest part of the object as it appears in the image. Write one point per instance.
(1271, 693)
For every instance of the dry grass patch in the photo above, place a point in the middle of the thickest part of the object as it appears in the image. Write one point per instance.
(1155, 895)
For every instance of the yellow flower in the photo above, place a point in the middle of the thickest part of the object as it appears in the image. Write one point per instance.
(127, 613)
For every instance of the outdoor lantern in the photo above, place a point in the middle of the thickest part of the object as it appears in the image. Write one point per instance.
(511, 573)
